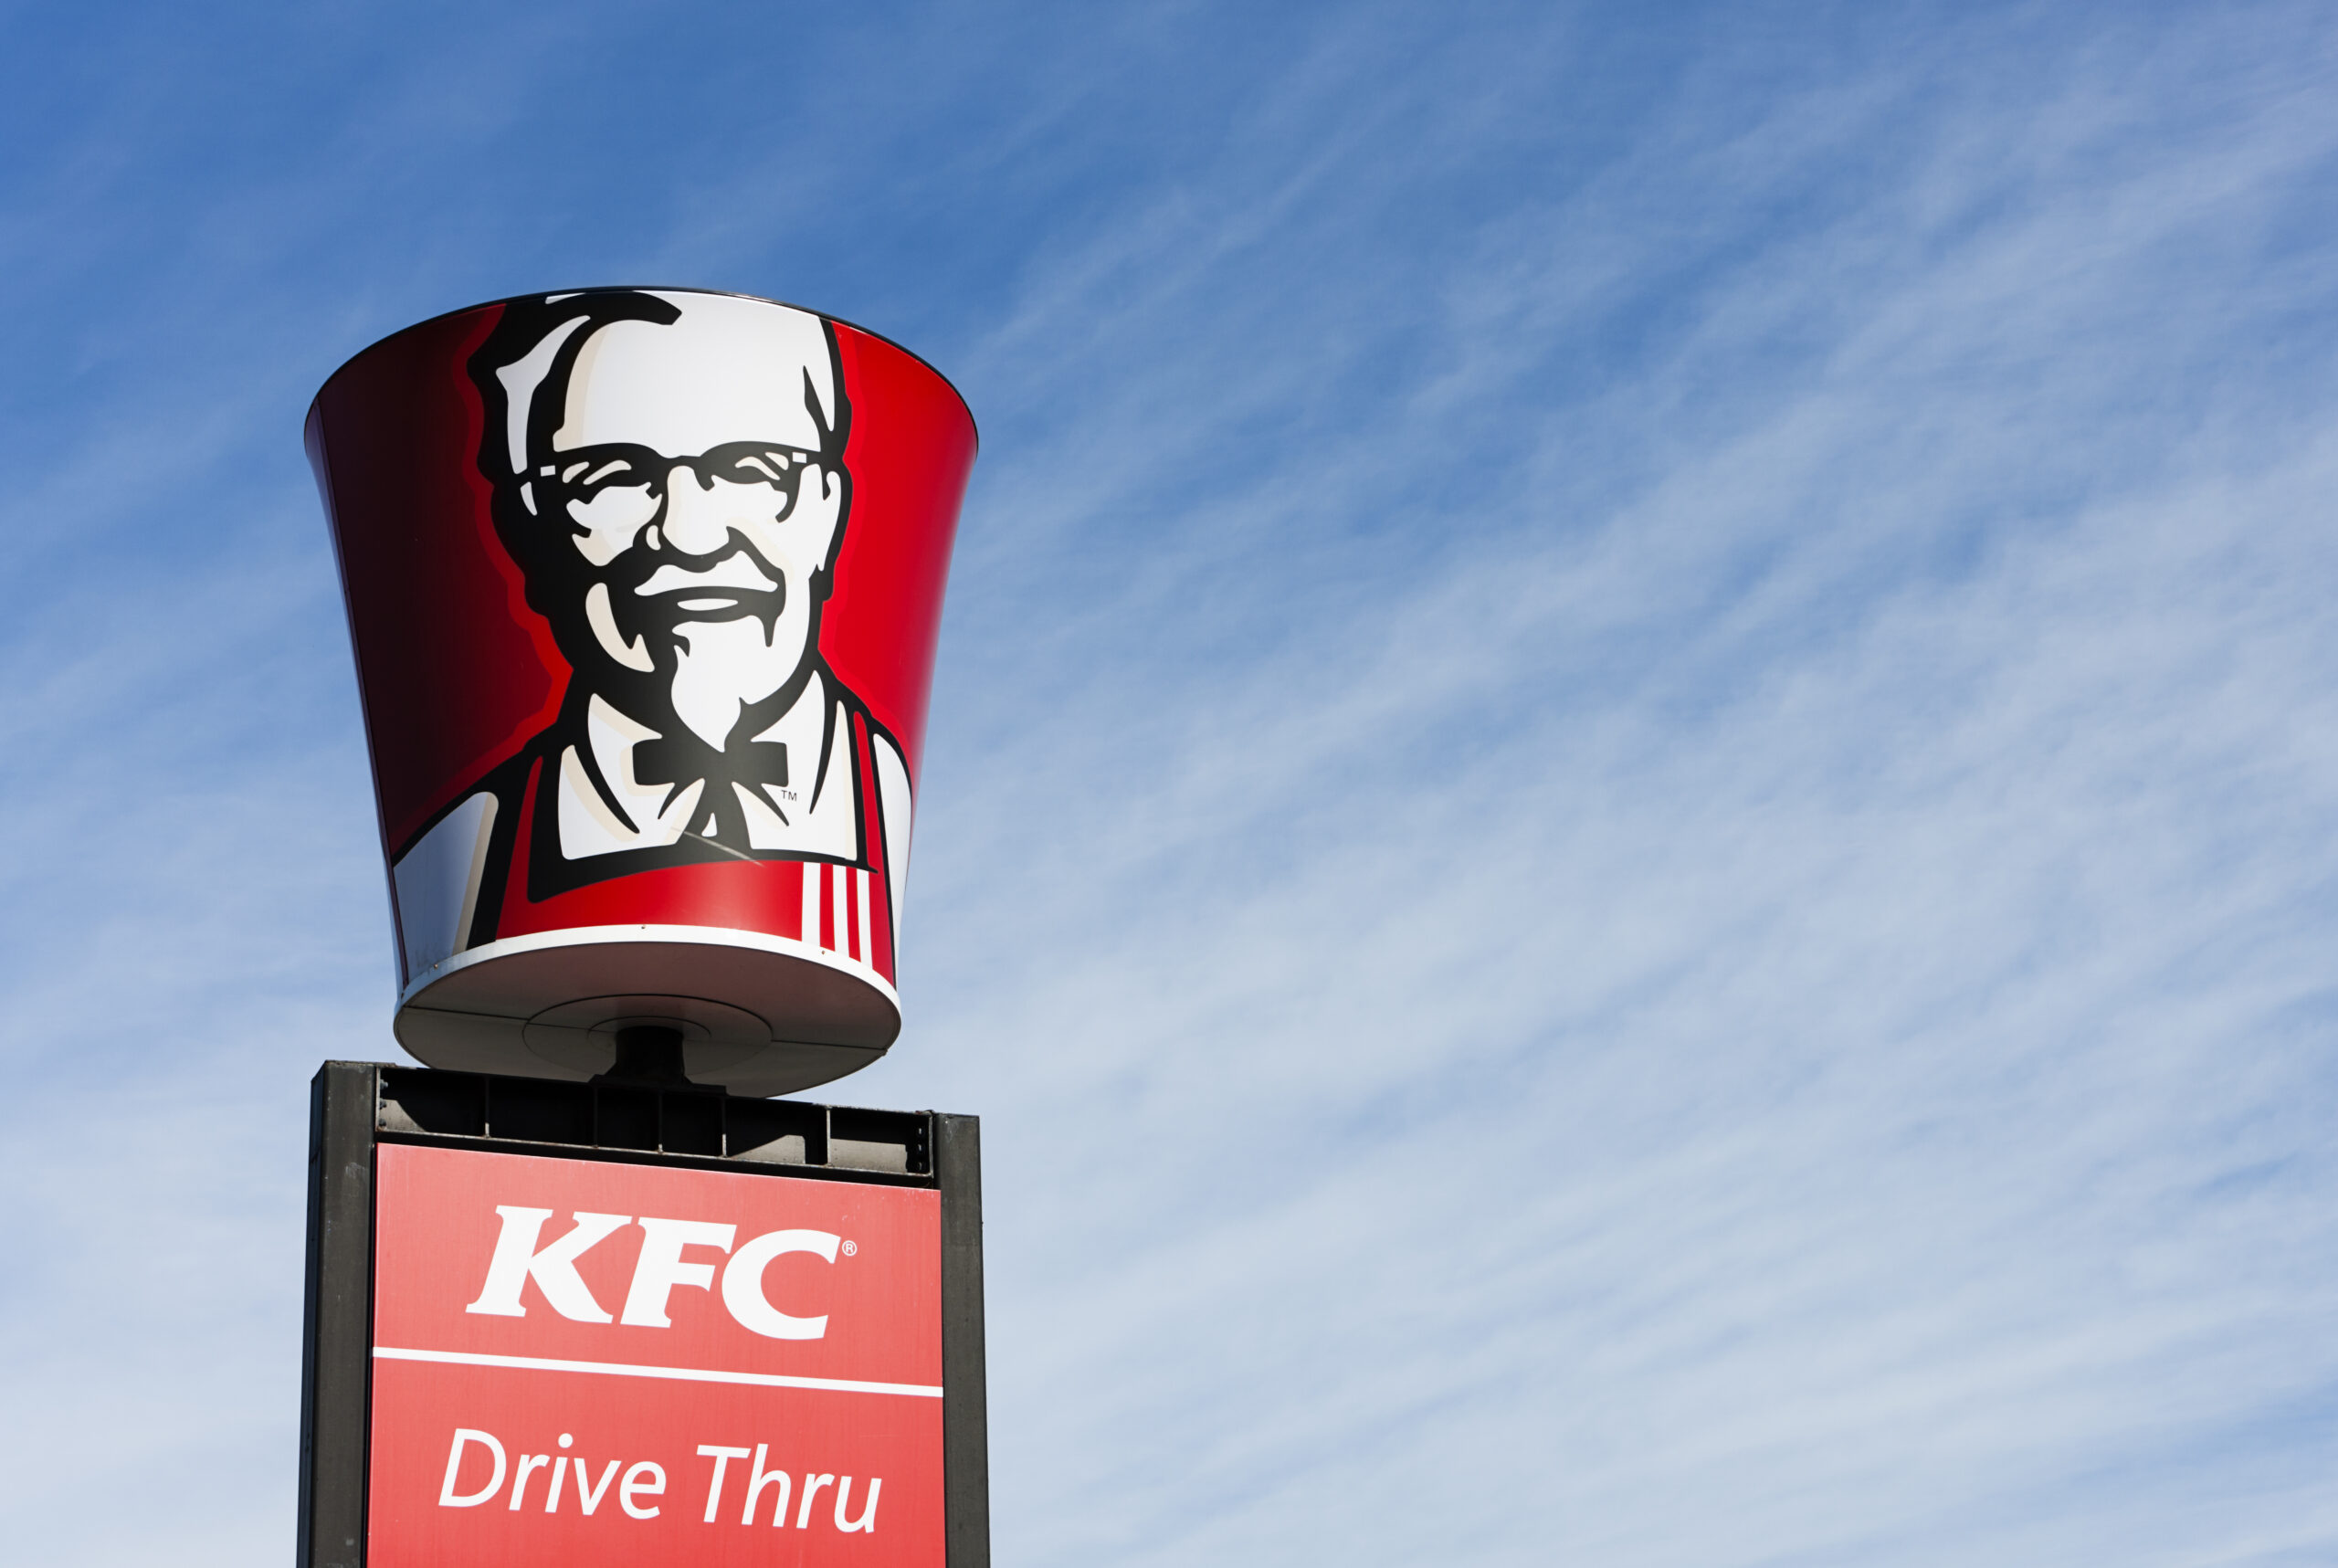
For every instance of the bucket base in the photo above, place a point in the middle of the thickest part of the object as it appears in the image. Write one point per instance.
(752, 1020)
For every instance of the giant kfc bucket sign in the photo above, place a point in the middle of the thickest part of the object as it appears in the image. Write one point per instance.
(644, 587)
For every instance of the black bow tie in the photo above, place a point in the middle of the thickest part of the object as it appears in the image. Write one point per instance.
(680, 760)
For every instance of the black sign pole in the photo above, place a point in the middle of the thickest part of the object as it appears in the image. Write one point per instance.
(965, 1405)
(336, 1341)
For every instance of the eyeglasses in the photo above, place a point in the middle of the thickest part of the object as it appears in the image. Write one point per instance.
(587, 473)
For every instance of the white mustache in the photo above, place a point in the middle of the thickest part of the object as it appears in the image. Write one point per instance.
(733, 571)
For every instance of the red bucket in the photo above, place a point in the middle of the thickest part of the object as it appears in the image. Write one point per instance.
(643, 585)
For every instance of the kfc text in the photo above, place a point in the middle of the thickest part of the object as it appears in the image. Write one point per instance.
(659, 1272)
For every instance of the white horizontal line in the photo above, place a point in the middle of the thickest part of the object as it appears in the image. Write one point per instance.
(678, 1374)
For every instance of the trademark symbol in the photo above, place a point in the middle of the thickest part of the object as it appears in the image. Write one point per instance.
(850, 1248)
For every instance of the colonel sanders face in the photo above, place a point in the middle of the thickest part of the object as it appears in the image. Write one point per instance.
(676, 496)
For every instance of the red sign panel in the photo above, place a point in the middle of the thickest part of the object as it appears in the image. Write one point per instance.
(595, 1363)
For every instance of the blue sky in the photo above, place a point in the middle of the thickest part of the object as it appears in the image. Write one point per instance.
(1627, 827)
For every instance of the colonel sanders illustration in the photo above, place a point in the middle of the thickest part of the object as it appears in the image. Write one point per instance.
(667, 473)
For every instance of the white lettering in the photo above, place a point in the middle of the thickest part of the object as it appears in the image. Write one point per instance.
(661, 1266)
(742, 1284)
(592, 1496)
(653, 1485)
(722, 1458)
(757, 1479)
(553, 1269)
(645, 1479)
(464, 1437)
(529, 1465)
(867, 1510)
(812, 1485)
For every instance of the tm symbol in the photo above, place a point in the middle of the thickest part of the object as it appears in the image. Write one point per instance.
(850, 1248)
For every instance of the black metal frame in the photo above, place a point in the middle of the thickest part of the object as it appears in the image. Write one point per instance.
(354, 1107)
